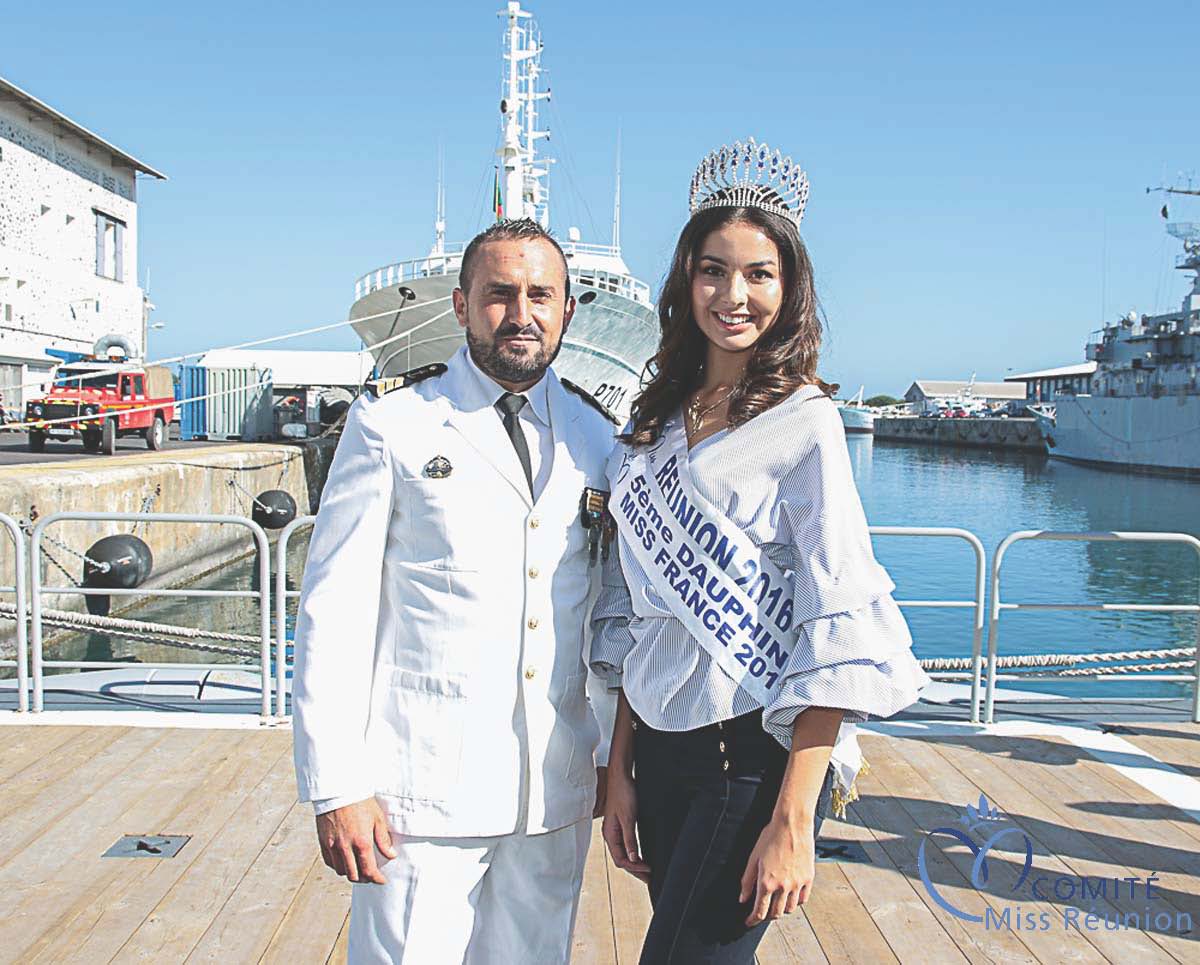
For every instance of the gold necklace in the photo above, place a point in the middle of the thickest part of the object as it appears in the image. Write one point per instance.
(696, 412)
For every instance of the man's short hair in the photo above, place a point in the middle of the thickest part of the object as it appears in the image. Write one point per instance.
(516, 229)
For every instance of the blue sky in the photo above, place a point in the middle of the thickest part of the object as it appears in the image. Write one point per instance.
(978, 171)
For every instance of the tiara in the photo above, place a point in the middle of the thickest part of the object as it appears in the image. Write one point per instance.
(750, 175)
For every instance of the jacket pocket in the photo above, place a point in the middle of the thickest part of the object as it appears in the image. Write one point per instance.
(419, 745)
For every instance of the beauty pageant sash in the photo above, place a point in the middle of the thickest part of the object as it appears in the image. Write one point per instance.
(722, 587)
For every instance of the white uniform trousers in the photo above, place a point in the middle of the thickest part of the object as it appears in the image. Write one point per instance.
(507, 900)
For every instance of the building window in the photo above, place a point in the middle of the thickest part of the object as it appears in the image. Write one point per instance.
(110, 246)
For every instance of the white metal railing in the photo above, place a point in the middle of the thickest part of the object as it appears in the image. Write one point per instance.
(282, 595)
(998, 606)
(443, 263)
(977, 603)
(18, 591)
(262, 594)
(449, 261)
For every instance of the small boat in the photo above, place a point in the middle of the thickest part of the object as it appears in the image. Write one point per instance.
(856, 415)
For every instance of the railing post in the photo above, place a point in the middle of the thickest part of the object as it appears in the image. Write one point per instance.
(1088, 537)
(35, 612)
(264, 592)
(281, 597)
(978, 603)
(18, 541)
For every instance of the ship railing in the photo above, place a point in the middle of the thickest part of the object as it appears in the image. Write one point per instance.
(282, 595)
(998, 606)
(445, 262)
(449, 261)
(18, 590)
(38, 590)
(614, 282)
(976, 604)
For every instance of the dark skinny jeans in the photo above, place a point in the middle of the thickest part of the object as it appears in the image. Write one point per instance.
(704, 796)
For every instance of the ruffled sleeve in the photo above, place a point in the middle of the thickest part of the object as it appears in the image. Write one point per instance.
(860, 662)
(855, 651)
(611, 638)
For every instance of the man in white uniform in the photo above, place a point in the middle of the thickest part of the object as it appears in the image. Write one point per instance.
(442, 726)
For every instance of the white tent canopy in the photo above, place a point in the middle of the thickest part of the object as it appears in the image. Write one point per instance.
(297, 368)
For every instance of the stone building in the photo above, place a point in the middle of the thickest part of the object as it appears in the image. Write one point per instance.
(68, 243)
(926, 396)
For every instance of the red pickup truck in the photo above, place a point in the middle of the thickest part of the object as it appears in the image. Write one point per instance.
(104, 401)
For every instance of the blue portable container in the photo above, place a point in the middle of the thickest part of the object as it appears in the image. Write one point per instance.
(193, 416)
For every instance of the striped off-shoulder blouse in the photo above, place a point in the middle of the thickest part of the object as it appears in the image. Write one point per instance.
(784, 478)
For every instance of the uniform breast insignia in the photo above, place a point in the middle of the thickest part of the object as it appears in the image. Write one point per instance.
(591, 400)
(437, 468)
(593, 516)
(376, 388)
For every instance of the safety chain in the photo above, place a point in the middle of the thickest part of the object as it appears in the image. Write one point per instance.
(147, 505)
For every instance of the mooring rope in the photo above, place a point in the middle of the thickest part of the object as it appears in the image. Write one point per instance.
(189, 638)
(193, 638)
(1057, 659)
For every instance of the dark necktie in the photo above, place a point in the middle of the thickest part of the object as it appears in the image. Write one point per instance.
(509, 406)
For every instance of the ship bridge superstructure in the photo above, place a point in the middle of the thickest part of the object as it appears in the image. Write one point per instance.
(1154, 355)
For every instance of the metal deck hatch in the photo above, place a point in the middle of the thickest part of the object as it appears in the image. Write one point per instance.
(148, 846)
(847, 851)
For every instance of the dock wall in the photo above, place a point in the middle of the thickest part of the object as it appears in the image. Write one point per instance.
(993, 433)
(211, 480)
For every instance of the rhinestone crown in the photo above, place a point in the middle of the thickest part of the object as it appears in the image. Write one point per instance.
(750, 175)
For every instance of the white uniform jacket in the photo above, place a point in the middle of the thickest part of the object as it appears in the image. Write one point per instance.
(440, 646)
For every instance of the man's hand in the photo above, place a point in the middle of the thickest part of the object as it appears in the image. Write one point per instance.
(601, 791)
(349, 837)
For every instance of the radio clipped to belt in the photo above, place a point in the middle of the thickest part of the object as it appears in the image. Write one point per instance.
(593, 516)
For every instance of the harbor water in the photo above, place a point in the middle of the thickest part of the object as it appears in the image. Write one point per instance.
(988, 492)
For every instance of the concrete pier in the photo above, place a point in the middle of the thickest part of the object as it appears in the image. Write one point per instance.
(213, 480)
(990, 433)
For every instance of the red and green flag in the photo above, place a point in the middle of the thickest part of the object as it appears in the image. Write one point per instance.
(497, 204)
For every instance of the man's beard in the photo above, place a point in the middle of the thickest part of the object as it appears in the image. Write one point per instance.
(504, 365)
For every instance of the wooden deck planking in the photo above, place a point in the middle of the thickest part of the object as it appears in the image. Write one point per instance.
(185, 912)
(99, 929)
(594, 941)
(911, 930)
(937, 799)
(1059, 848)
(314, 920)
(250, 885)
(63, 865)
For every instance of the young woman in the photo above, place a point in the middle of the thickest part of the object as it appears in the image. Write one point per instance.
(742, 610)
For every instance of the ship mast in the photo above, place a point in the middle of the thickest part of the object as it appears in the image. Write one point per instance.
(439, 223)
(525, 191)
(616, 242)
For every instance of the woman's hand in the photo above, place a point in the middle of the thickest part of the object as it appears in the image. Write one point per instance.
(779, 874)
(618, 829)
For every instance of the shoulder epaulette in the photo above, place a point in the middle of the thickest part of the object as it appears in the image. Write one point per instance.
(591, 400)
(376, 388)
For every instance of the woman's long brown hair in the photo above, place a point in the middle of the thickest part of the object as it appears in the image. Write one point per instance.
(781, 361)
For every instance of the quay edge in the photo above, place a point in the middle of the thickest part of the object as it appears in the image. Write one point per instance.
(192, 481)
(1020, 434)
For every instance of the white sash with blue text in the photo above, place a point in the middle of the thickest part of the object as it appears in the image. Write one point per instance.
(722, 587)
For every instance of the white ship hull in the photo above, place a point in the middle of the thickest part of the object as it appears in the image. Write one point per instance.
(857, 419)
(1138, 433)
(604, 350)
